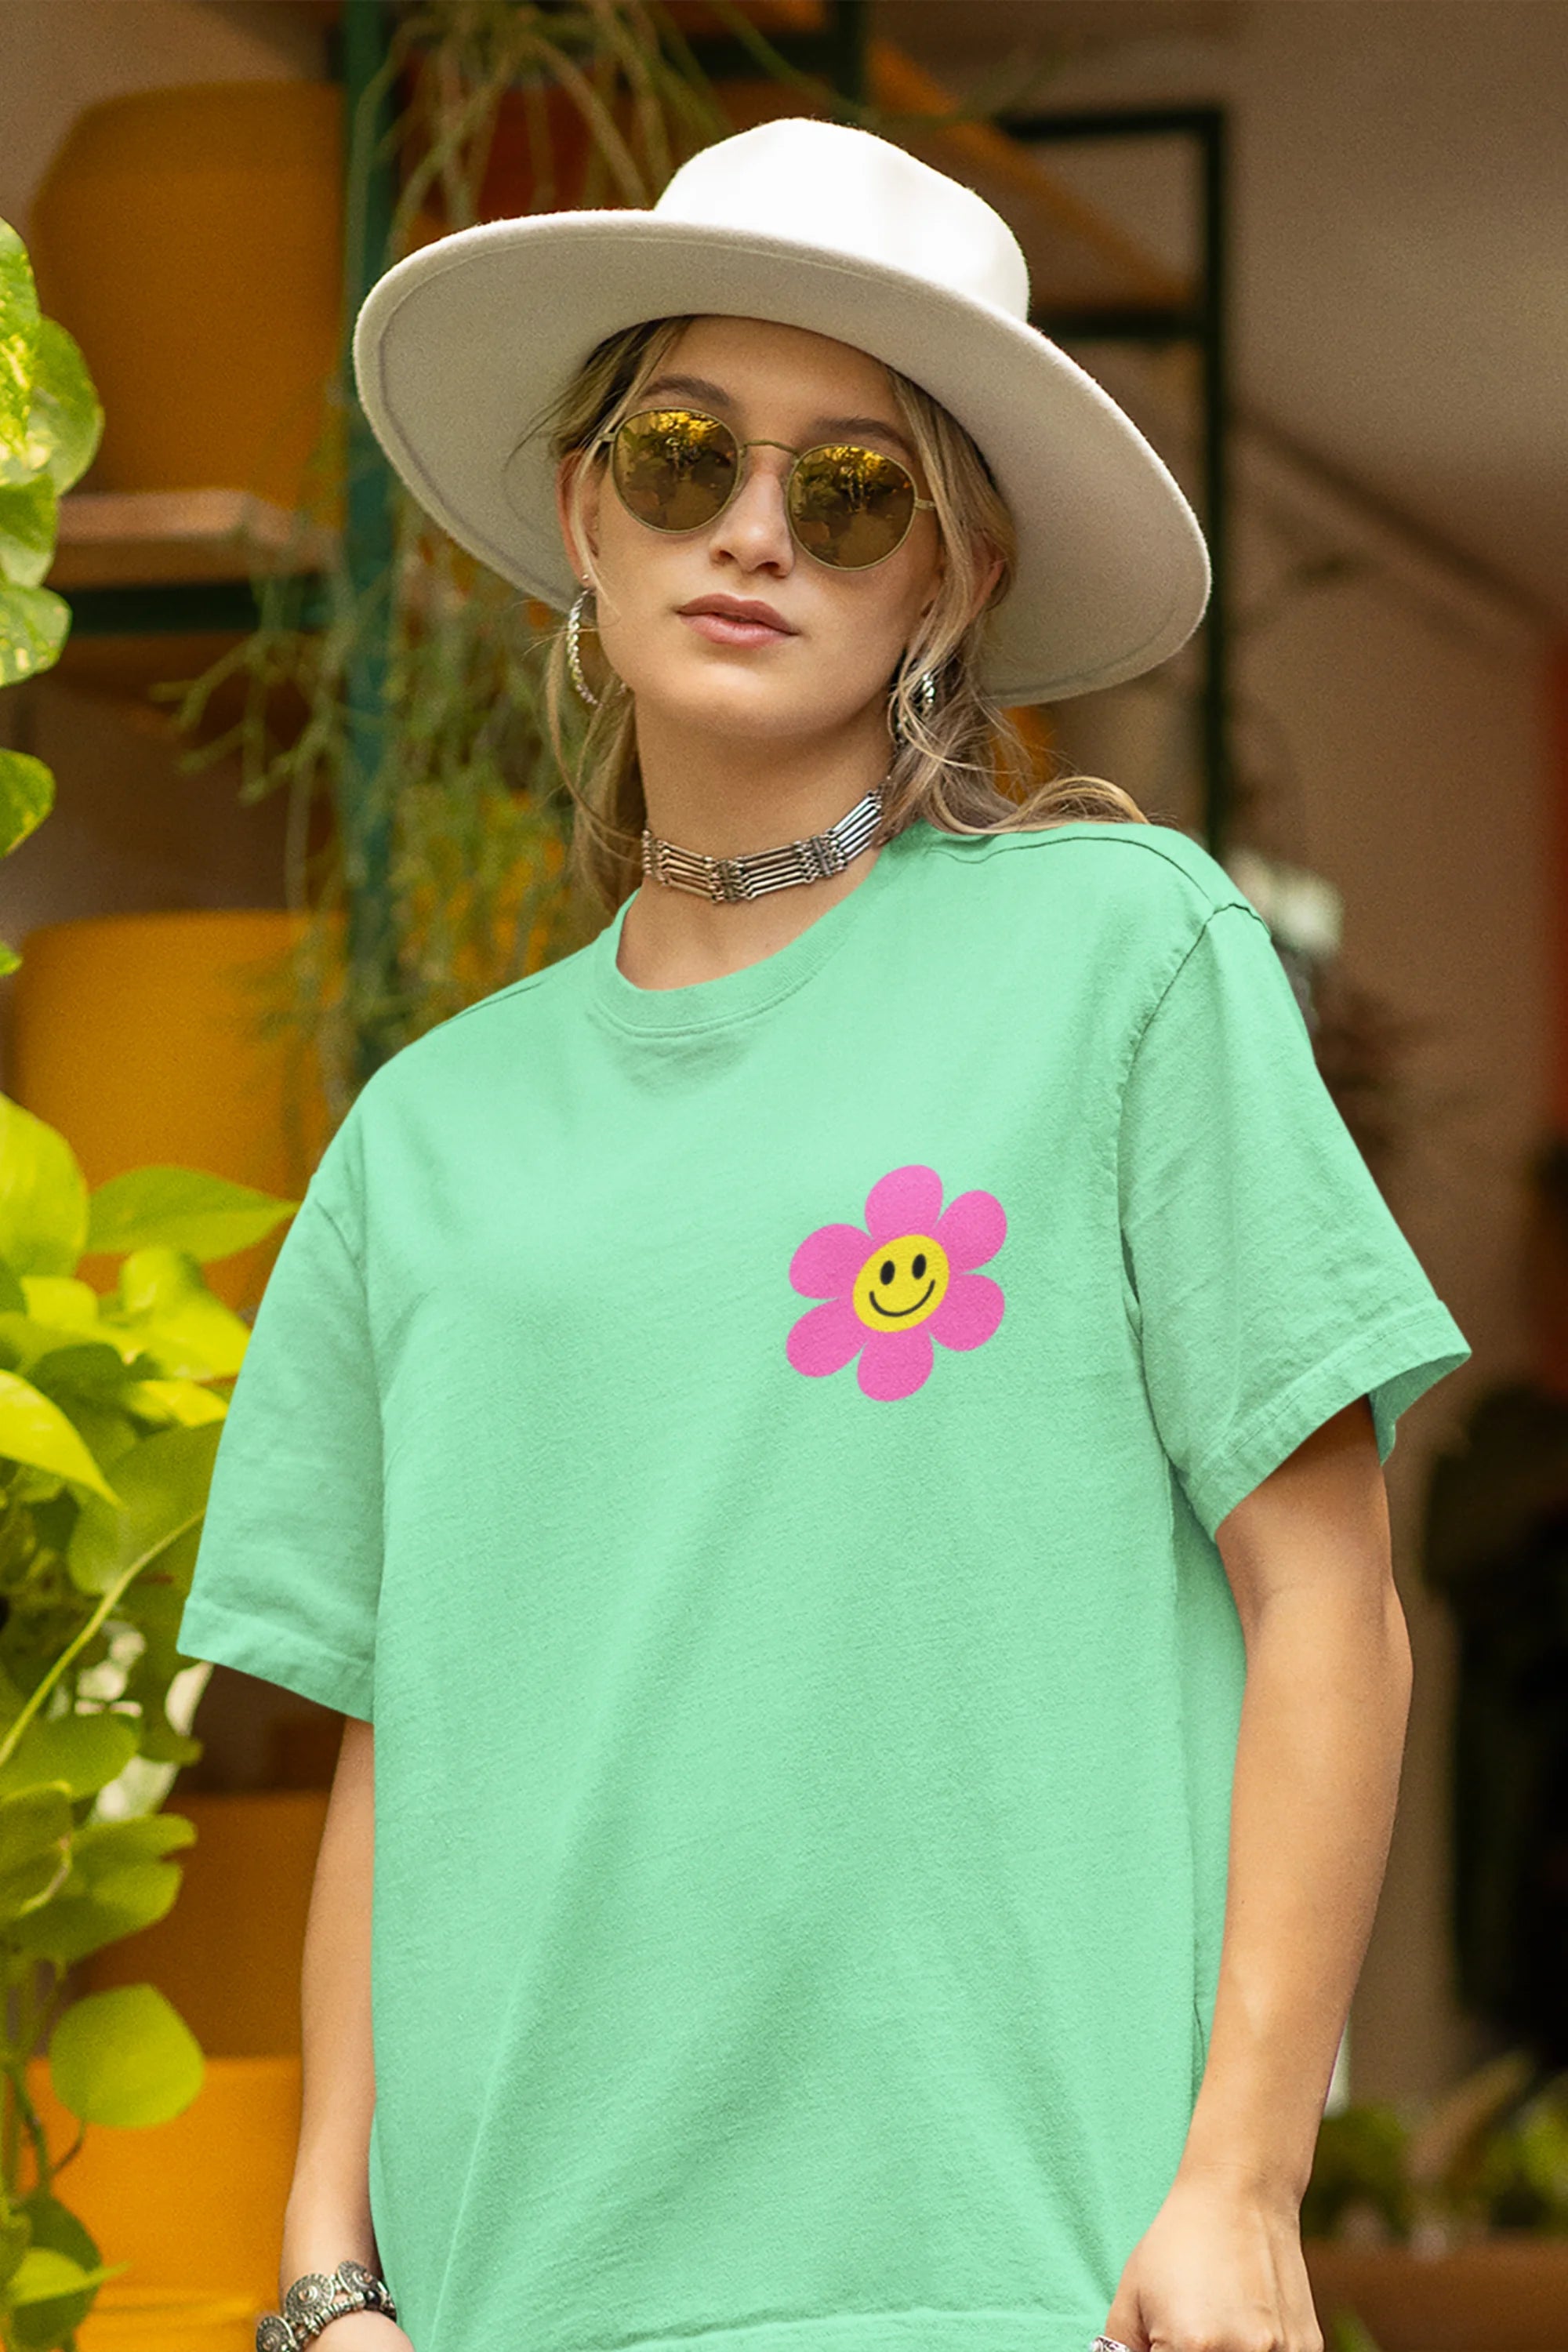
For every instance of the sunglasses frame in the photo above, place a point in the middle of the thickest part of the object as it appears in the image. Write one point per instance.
(760, 442)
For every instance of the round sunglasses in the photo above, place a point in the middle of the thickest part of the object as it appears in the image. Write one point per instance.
(678, 468)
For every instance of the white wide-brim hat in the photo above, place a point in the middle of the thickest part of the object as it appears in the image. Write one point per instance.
(458, 347)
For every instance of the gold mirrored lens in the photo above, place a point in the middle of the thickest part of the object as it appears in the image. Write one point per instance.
(675, 469)
(849, 506)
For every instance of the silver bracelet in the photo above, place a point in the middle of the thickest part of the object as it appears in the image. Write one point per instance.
(315, 2298)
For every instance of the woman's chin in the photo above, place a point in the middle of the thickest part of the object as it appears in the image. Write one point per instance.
(746, 708)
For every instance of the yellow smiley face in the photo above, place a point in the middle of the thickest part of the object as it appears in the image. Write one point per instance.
(901, 1283)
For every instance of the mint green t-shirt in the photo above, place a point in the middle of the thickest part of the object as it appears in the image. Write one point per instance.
(754, 1451)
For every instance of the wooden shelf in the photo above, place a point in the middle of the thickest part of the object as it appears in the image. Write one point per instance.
(116, 539)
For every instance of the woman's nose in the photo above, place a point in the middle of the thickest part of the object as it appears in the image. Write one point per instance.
(755, 526)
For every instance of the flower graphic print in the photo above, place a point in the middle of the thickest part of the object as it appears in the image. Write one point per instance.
(892, 1286)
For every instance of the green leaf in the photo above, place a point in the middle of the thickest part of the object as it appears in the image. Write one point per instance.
(85, 1751)
(105, 1433)
(41, 2220)
(20, 321)
(126, 2057)
(62, 1299)
(92, 1370)
(83, 1919)
(34, 625)
(173, 1403)
(27, 797)
(153, 1601)
(183, 1208)
(43, 2276)
(43, 1195)
(15, 2235)
(66, 423)
(168, 1309)
(26, 1341)
(101, 1846)
(163, 1483)
(34, 1430)
(29, 520)
(35, 1827)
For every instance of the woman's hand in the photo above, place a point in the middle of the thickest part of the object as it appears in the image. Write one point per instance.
(1219, 2267)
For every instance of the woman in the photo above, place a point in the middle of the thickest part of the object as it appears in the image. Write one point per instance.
(834, 1435)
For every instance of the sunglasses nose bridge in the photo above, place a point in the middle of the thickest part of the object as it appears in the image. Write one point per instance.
(746, 472)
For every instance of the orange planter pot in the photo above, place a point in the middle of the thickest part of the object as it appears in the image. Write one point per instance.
(138, 1036)
(194, 2206)
(192, 240)
(155, 2321)
(229, 1952)
(1503, 2295)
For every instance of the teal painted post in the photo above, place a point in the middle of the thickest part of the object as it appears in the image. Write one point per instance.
(366, 578)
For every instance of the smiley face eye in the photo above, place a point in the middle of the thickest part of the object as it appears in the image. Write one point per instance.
(919, 1265)
(886, 1271)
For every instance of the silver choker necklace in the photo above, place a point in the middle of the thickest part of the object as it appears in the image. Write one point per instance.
(805, 860)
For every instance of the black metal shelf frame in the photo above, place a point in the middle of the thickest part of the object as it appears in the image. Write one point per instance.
(1203, 322)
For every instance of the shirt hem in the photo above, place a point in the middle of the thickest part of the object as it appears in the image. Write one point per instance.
(918, 2328)
(210, 1631)
(1405, 1356)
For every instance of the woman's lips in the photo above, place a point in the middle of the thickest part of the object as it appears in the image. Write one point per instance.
(723, 629)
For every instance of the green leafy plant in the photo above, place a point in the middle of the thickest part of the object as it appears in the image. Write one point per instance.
(1359, 2162)
(111, 1408)
(51, 422)
(1489, 2154)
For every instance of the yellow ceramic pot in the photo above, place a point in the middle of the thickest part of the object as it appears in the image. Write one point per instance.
(192, 240)
(140, 1037)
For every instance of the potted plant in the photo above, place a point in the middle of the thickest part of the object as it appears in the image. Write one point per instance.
(111, 1407)
(1443, 2227)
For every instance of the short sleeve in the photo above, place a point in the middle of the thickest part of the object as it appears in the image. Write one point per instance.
(287, 1567)
(1270, 1283)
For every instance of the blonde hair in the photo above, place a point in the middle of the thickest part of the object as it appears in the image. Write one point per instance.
(966, 768)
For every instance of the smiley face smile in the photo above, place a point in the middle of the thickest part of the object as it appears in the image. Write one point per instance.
(920, 1302)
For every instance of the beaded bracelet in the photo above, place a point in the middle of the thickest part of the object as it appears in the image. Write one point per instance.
(317, 2297)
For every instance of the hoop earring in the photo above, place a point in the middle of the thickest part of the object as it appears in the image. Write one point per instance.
(574, 649)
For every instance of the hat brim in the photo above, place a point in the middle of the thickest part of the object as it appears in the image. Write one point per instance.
(458, 348)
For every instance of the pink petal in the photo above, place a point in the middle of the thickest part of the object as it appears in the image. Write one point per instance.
(971, 1229)
(896, 1362)
(829, 1260)
(825, 1340)
(905, 1201)
(969, 1313)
